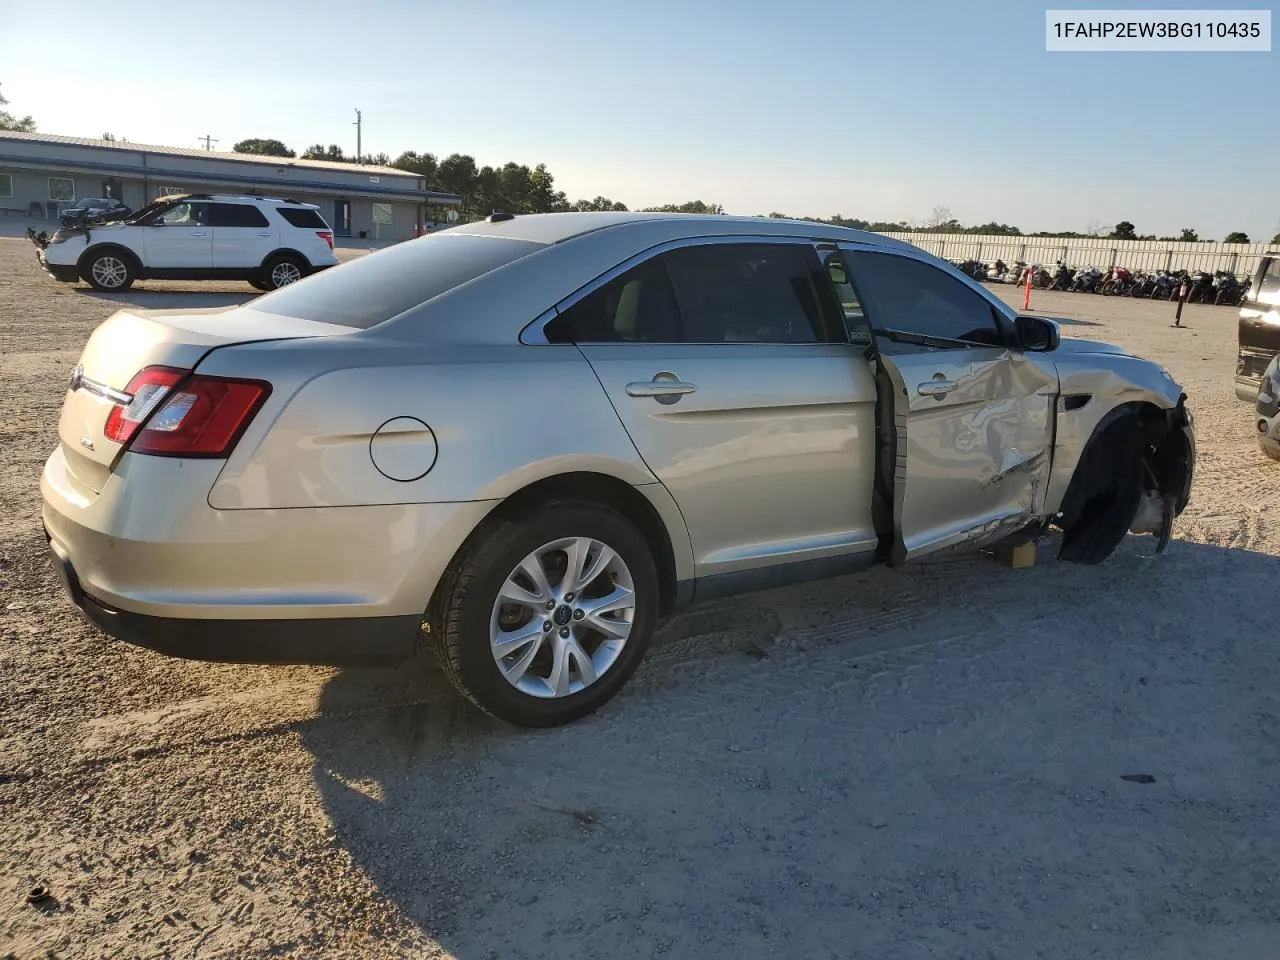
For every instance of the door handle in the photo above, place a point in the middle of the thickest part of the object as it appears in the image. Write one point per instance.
(198, 233)
(936, 388)
(663, 388)
(267, 233)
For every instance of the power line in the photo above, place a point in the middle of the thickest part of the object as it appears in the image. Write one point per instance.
(359, 152)
(208, 142)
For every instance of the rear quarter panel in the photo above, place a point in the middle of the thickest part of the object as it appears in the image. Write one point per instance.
(500, 418)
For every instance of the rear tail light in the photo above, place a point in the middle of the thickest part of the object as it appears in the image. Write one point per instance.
(175, 413)
(326, 236)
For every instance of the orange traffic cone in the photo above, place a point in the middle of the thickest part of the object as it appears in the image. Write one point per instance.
(1026, 297)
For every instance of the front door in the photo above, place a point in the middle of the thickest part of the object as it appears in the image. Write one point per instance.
(735, 391)
(971, 414)
(180, 238)
(113, 190)
(342, 218)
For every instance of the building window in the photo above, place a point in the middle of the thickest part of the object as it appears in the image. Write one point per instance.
(382, 213)
(6, 185)
(62, 188)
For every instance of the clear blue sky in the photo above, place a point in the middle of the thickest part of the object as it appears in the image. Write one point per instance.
(880, 110)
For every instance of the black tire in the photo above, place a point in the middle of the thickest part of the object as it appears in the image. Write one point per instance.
(282, 270)
(259, 284)
(1105, 491)
(100, 268)
(461, 612)
(1270, 447)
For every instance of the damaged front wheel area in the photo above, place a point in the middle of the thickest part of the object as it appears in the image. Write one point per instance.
(1134, 477)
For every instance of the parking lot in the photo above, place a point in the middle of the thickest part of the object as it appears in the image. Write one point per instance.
(911, 763)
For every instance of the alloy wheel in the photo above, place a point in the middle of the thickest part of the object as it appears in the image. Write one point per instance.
(285, 273)
(562, 617)
(109, 272)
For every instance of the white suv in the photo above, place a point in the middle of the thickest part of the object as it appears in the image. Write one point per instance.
(267, 242)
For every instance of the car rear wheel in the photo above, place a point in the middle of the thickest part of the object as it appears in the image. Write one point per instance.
(109, 270)
(281, 271)
(545, 616)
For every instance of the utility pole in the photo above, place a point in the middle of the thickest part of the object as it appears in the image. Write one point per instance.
(208, 142)
(359, 152)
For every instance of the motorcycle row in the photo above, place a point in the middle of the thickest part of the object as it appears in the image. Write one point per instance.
(1220, 287)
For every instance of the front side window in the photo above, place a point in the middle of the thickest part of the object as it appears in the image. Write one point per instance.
(62, 189)
(6, 185)
(709, 293)
(185, 215)
(855, 317)
(236, 215)
(907, 296)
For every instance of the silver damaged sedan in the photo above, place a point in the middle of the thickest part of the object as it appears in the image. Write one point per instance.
(521, 442)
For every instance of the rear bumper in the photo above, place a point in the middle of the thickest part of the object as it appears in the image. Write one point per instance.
(356, 641)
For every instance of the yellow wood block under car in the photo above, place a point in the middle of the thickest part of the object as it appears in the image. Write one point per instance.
(1019, 557)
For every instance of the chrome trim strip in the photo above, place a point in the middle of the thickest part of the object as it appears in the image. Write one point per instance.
(102, 390)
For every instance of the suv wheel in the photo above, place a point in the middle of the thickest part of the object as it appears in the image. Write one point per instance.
(545, 617)
(281, 271)
(109, 270)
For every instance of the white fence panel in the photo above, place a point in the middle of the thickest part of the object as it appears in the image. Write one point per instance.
(1102, 252)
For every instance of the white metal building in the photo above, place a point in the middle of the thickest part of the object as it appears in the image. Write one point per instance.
(40, 173)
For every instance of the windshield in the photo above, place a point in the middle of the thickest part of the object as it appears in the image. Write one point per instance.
(146, 211)
(365, 292)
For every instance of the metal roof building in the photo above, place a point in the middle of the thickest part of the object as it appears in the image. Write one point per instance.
(41, 172)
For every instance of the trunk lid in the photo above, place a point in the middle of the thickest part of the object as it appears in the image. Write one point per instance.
(130, 340)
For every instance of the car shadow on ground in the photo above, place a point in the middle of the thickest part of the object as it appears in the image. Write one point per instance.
(933, 763)
(170, 299)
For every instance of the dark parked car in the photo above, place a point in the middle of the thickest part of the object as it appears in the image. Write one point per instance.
(92, 210)
(1259, 328)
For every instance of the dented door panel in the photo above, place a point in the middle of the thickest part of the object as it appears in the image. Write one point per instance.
(974, 462)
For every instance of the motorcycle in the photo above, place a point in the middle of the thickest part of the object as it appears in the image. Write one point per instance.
(1041, 278)
(1087, 281)
(1228, 289)
(1201, 288)
(1118, 283)
(1062, 277)
(1166, 286)
(1143, 285)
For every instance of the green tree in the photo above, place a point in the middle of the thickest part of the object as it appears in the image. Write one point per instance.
(1188, 235)
(1236, 237)
(1123, 231)
(423, 164)
(599, 203)
(543, 195)
(263, 147)
(319, 151)
(9, 122)
(457, 174)
(1276, 238)
(692, 206)
(108, 137)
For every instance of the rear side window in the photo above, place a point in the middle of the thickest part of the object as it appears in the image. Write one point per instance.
(303, 217)
(236, 215)
(371, 290)
(710, 293)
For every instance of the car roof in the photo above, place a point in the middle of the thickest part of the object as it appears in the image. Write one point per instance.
(550, 228)
(241, 197)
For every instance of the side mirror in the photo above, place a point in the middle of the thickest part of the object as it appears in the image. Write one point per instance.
(1037, 334)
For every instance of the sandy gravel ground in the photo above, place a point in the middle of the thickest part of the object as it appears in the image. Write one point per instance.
(903, 764)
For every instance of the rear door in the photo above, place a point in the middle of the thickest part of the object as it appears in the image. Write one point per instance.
(242, 236)
(972, 417)
(741, 396)
(179, 238)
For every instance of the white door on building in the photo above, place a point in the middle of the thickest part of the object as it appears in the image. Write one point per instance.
(242, 235)
(180, 238)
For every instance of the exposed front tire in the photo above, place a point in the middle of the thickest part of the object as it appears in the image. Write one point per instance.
(545, 616)
(1104, 493)
(282, 270)
(110, 270)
